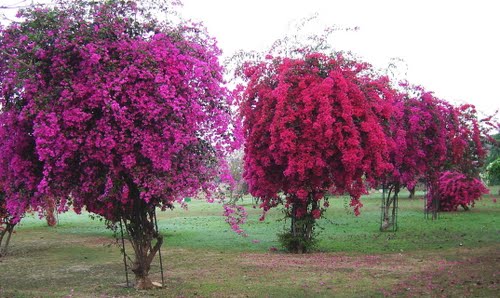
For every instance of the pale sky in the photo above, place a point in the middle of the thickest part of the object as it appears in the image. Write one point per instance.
(450, 47)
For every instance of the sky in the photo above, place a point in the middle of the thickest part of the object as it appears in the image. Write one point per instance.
(449, 47)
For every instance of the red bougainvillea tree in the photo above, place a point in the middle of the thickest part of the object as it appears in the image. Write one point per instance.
(124, 113)
(312, 124)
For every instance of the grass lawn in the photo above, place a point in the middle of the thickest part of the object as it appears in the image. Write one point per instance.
(455, 256)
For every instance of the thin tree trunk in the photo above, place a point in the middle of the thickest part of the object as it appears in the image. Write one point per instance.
(433, 202)
(50, 212)
(389, 208)
(2, 233)
(412, 192)
(9, 228)
(387, 203)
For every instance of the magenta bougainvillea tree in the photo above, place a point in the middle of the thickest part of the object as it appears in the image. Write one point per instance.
(125, 113)
(313, 123)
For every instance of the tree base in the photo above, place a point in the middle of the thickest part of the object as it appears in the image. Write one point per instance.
(143, 283)
(132, 285)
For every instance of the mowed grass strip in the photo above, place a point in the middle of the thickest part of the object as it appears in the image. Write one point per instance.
(456, 255)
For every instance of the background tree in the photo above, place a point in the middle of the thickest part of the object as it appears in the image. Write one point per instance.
(238, 186)
(458, 182)
(417, 138)
(125, 113)
(429, 137)
(493, 171)
(493, 148)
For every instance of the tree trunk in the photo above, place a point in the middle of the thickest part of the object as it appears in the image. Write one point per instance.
(3, 231)
(140, 227)
(433, 202)
(389, 208)
(412, 192)
(9, 228)
(142, 233)
(50, 211)
(301, 231)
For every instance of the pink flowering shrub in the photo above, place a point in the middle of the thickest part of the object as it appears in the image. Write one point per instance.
(113, 111)
(456, 189)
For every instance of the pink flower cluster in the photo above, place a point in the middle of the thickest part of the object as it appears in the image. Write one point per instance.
(235, 217)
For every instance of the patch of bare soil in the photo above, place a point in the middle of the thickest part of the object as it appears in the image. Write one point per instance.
(450, 273)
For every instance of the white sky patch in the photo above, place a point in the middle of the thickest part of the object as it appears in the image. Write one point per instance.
(450, 47)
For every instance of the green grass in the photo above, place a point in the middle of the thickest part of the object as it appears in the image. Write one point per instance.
(456, 255)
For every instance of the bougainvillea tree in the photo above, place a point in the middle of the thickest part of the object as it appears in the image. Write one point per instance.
(459, 184)
(128, 113)
(418, 134)
(431, 137)
(313, 123)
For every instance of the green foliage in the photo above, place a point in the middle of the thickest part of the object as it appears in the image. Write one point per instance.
(304, 240)
(494, 150)
(493, 172)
